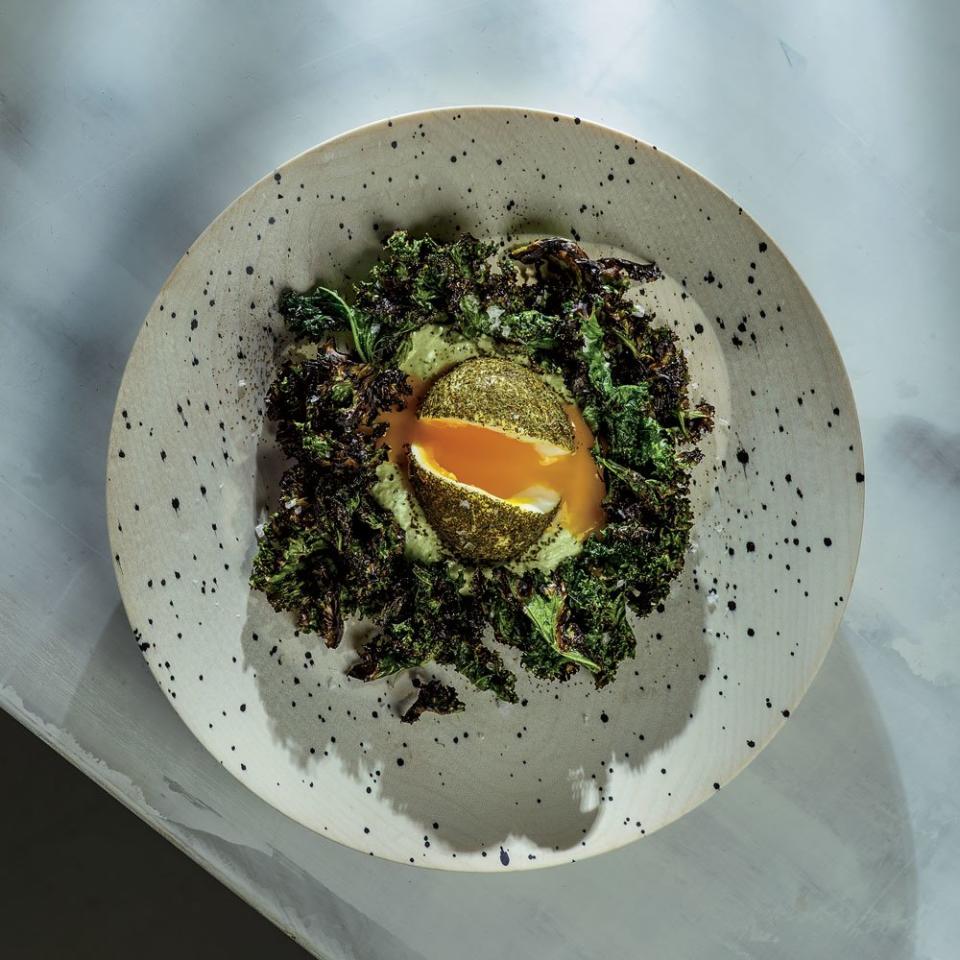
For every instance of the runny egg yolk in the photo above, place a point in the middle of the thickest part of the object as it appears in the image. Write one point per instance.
(504, 466)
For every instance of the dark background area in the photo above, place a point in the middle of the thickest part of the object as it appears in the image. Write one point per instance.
(82, 877)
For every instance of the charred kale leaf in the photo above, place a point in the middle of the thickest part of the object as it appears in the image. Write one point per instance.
(314, 314)
(330, 549)
(332, 552)
(433, 697)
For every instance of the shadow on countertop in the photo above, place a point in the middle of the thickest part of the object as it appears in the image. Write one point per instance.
(83, 878)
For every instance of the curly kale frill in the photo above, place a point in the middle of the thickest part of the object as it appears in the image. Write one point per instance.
(330, 550)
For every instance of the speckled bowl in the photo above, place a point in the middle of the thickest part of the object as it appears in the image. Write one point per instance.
(570, 772)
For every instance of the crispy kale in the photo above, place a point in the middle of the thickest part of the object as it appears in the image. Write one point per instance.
(331, 552)
(420, 281)
(330, 549)
(433, 697)
(432, 620)
(319, 311)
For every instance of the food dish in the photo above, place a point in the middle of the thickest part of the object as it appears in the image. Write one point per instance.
(777, 499)
(532, 496)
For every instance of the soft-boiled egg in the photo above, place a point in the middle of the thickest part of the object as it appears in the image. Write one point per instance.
(494, 456)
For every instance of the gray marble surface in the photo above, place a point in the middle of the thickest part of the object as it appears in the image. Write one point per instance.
(125, 127)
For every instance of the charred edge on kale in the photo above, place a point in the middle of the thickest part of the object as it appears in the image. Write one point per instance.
(433, 697)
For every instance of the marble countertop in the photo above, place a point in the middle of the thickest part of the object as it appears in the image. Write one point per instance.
(126, 127)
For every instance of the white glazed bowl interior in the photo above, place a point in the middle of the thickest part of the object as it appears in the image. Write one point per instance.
(571, 771)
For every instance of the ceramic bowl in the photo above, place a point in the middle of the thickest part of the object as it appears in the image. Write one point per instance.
(570, 771)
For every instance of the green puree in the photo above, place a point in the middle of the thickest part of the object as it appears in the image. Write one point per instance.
(349, 538)
(433, 349)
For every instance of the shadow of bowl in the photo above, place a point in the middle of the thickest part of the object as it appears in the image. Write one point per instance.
(779, 505)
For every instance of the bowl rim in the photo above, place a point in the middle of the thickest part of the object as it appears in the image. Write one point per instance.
(600, 129)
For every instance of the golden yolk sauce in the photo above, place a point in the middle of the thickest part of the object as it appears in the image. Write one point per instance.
(502, 465)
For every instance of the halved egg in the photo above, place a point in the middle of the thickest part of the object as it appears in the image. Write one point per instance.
(494, 457)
